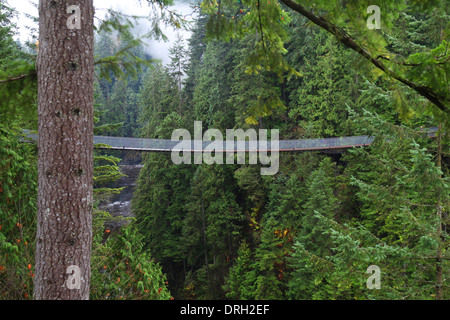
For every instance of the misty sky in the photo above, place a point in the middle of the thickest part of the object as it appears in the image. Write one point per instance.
(158, 49)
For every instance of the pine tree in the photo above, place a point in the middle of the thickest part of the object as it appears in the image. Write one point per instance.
(196, 50)
(270, 263)
(211, 228)
(18, 191)
(157, 100)
(322, 97)
(240, 283)
(312, 241)
(17, 72)
(212, 91)
(159, 205)
(252, 92)
(177, 67)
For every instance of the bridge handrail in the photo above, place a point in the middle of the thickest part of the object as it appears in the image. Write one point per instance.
(165, 145)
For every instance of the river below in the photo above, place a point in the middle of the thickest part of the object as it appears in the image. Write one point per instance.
(119, 206)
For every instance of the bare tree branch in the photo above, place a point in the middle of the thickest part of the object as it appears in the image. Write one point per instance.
(22, 76)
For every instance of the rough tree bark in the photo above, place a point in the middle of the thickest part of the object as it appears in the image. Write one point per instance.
(65, 68)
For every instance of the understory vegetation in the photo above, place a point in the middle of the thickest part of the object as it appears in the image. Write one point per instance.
(225, 231)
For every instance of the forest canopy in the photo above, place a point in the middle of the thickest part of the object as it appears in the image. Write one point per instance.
(310, 69)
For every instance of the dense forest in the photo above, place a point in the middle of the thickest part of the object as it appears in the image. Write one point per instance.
(225, 231)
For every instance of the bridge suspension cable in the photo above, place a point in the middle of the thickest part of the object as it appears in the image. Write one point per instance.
(165, 145)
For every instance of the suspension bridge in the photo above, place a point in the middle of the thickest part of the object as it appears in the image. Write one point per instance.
(335, 144)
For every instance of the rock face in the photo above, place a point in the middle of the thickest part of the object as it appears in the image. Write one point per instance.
(120, 205)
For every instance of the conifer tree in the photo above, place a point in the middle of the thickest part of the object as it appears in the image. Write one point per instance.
(240, 282)
(177, 67)
(212, 91)
(66, 93)
(212, 227)
(311, 239)
(157, 100)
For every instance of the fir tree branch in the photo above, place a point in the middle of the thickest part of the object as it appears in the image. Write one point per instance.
(417, 292)
(22, 76)
(346, 39)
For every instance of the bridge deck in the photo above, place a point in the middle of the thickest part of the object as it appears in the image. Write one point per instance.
(160, 145)
(164, 145)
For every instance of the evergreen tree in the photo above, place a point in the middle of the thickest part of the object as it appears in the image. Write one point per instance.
(269, 20)
(212, 91)
(159, 206)
(270, 262)
(211, 228)
(241, 280)
(323, 95)
(398, 227)
(312, 241)
(157, 100)
(17, 72)
(196, 50)
(18, 190)
(177, 68)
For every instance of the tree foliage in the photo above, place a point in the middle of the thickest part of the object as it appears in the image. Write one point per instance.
(312, 70)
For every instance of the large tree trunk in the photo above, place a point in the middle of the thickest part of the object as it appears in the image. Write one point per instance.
(65, 69)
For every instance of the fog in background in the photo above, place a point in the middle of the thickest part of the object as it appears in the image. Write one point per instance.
(158, 49)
